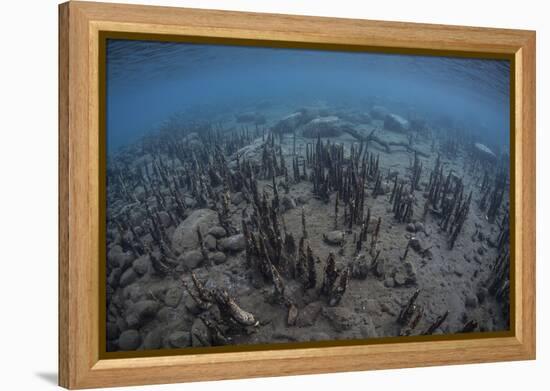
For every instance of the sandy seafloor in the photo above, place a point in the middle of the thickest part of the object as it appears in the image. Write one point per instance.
(148, 311)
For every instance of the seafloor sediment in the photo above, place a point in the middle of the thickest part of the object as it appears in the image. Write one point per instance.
(326, 224)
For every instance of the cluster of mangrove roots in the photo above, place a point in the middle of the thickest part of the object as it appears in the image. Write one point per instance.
(446, 200)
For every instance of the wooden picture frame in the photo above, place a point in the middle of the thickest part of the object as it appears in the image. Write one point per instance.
(80, 168)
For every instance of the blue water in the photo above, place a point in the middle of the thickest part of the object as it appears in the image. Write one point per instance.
(149, 82)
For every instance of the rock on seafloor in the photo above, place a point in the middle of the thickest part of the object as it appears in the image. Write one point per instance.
(191, 259)
(233, 243)
(308, 315)
(335, 238)
(185, 236)
(129, 340)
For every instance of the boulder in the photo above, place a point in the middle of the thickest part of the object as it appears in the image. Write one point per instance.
(142, 264)
(484, 153)
(117, 257)
(210, 242)
(233, 243)
(308, 315)
(379, 112)
(129, 340)
(335, 238)
(396, 123)
(217, 257)
(323, 127)
(153, 340)
(185, 236)
(179, 339)
(191, 305)
(419, 227)
(128, 277)
(289, 123)
(415, 244)
(191, 259)
(164, 218)
(114, 277)
(172, 297)
(217, 232)
(141, 312)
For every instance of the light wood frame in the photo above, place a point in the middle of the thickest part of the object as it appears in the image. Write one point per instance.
(80, 365)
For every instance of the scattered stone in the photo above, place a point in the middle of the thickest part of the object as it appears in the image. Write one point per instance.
(233, 243)
(114, 277)
(167, 315)
(341, 318)
(411, 273)
(335, 238)
(471, 301)
(308, 315)
(164, 218)
(191, 259)
(120, 258)
(191, 305)
(210, 242)
(172, 297)
(141, 265)
(415, 244)
(359, 267)
(217, 232)
(129, 340)
(292, 315)
(400, 278)
(217, 257)
(153, 340)
(128, 277)
(141, 312)
(179, 339)
(185, 236)
(389, 283)
(134, 292)
(419, 227)
(411, 227)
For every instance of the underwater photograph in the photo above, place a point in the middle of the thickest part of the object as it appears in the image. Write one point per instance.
(265, 195)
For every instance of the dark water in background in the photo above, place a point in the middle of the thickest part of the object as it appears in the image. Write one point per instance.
(148, 82)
